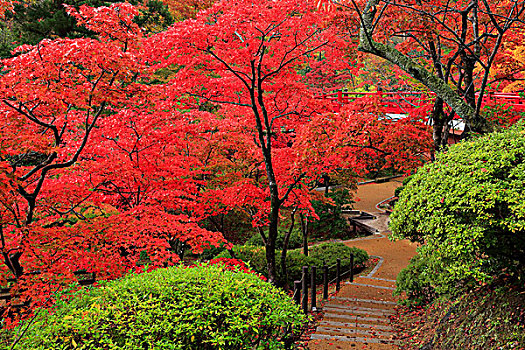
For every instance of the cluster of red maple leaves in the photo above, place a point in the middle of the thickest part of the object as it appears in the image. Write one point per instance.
(115, 149)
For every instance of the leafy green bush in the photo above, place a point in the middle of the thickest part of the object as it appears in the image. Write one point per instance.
(327, 252)
(204, 307)
(331, 223)
(415, 281)
(295, 260)
(255, 257)
(295, 240)
(211, 251)
(398, 190)
(468, 210)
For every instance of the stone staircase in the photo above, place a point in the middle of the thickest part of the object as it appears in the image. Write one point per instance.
(356, 321)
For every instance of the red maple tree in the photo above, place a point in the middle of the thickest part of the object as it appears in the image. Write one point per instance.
(254, 62)
(89, 182)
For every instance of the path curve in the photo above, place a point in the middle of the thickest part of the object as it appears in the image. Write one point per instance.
(358, 316)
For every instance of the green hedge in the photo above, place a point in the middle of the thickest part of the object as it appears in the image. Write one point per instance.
(197, 308)
(468, 210)
(327, 252)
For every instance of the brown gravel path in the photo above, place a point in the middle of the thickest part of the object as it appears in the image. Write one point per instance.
(357, 317)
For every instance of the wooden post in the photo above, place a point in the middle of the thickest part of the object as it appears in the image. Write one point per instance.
(352, 267)
(338, 275)
(304, 289)
(297, 292)
(325, 281)
(313, 290)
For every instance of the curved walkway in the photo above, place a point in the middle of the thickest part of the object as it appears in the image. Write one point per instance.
(358, 316)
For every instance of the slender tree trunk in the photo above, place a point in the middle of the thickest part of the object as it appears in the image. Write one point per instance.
(285, 251)
(270, 243)
(304, 229)
(438, 124)
(326, 180)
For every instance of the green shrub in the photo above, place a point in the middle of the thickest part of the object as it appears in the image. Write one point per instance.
(197, 308)
(255, 257)
(415, 281)
(406, 180)
(295, 260)
(327, 252)
(210, 252)
(468, 208)
(295, 240)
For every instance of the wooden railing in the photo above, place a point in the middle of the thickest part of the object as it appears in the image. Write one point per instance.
(407, 102)
(300, 294)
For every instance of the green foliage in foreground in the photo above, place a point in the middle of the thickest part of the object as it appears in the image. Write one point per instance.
(468, 210)
(176, 308)
(327, 252)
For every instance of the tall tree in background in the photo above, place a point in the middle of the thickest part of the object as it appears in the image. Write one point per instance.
(244, 57)
(187, 9)
(450, 48)
(31, 22)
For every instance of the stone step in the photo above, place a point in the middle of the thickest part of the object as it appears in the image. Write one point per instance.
(359, 310)
(386, 308)
(378, 279)
(355, 331)
(356, 318)
(364, 292)
(369, 285)
(327, 323)
(342, 311)
(376, 282)
(351, 339)
(371, 301)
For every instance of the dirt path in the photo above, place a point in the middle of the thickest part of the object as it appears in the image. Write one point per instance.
(358, 316)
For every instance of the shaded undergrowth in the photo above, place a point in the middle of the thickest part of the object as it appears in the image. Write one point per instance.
(490, 317)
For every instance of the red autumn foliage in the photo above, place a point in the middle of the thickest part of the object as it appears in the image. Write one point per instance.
(115, 149)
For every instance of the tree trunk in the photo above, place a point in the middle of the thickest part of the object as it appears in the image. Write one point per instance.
(270, 243)
(13, 262)
(285, 250)
(326, 180)
(304, 229)
(438, 120)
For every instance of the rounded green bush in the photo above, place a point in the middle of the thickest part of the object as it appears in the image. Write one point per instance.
(328, 253)
(468, 210)
(203, 307)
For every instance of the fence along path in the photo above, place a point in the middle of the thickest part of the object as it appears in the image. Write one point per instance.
(358, 316)
(407, 102)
